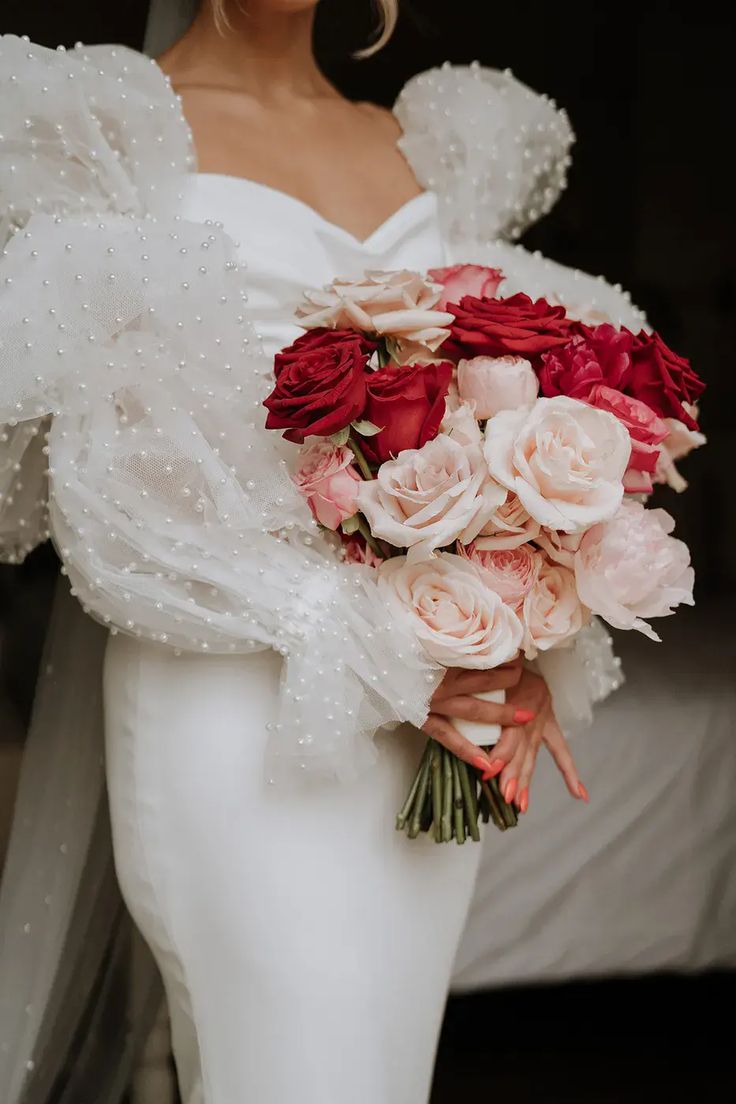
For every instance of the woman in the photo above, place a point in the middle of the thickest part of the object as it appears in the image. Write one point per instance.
(306, 947)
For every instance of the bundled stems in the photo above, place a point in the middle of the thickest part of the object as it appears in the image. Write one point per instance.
(447, 798)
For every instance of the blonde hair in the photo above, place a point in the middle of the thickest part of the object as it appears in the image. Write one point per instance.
(388, 15)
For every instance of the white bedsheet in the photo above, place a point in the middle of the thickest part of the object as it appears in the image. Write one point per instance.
(644, 878)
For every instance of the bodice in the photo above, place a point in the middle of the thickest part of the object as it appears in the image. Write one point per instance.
(287, 246)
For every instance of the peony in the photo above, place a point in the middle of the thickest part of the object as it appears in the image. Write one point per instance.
(509, 526)
(427, 498)
(458, 620)
(516, 326)
(320, 385)
(552, 613)
(565, 461)
(679, 442)
(329, 482)
(646, 431)
(497, 383)
(401, 305)
(559, 547)
(465, 279)
(461, 424)
(593, 356)
(630, 568)
(407, 404)
(510, 572)
(662, 379)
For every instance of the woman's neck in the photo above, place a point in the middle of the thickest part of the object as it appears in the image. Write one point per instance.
(266, 54)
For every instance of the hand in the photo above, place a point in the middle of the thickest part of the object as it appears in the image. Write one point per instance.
(453, 698)
(518, 748)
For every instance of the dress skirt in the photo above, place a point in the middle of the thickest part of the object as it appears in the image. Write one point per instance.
(306, 946)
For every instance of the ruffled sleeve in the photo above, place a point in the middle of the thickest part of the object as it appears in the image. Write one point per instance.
(172, 508)
(495, 152)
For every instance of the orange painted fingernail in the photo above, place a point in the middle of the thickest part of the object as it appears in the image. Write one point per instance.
(524, 799)
(583, 793)
(523, 716)
(480, 762)
(495, 768)
(510, 790)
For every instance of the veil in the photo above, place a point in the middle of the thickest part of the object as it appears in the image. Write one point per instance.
(70, 1022)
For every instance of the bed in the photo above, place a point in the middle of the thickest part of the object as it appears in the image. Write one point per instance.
(644, 879)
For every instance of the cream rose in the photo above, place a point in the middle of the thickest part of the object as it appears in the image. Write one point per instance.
(461, 424)
(510, 572)
(560, 547)
(564, 459)
(552, 612)
(429, 497)
(458, 620)
(329, 482)
(508, 527)
(497, 383)
(630, 568)
(400, 305)
(679, 442)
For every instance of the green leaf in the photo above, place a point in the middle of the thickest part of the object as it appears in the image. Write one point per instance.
(366, 429)
(350, 525)
(341, 437)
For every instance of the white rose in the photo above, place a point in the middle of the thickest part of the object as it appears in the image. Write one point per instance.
(399, 305)
(509, 526)
(564, 459)
(457, 619)
(462, 425)
(429, 497)
(552, 613)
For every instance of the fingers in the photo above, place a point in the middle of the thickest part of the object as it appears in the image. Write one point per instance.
(560, 751)
(440, 729)
(525, 776)
(476, 682)
(474, 709)
(511, 773)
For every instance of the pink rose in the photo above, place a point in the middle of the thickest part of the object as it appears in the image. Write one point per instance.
(357, 551)
(509, 526)
(458, 620)
(646, 429)
(429, 497)
(630, 568)
(560, 547)
(497, 383)
(510, 572)
(553, 612)
(329, 482)
(465, 279)
(564, 459)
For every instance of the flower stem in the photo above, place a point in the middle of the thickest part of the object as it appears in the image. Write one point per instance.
(416, 819)
(364, 531)
(457, 801)
(446, 796)
(471, 805)
(408, 805)
(358, 454)
(437, 792)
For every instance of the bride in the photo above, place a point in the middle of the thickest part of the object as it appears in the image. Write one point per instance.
(162, 221)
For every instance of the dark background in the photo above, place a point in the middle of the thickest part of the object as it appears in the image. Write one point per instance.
(650, 92)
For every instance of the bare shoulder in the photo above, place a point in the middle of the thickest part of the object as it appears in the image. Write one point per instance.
(382, 118)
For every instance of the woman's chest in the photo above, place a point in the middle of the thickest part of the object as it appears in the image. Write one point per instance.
(287, 246)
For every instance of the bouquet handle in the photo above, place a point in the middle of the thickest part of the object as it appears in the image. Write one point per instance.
(482, 735)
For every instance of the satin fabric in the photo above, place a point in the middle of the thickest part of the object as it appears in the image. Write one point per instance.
(306, 946)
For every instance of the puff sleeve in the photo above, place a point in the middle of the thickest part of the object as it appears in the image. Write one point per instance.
(125, 328)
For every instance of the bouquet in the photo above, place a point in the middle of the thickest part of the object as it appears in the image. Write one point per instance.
(490, 457)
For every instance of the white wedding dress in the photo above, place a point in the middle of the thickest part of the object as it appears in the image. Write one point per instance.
(306, 947)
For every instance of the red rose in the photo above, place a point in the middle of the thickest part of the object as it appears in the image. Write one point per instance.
(517, 326)
(596, 355)
(320, 384)
(662, 379)
(408, 403)
(465, 279)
